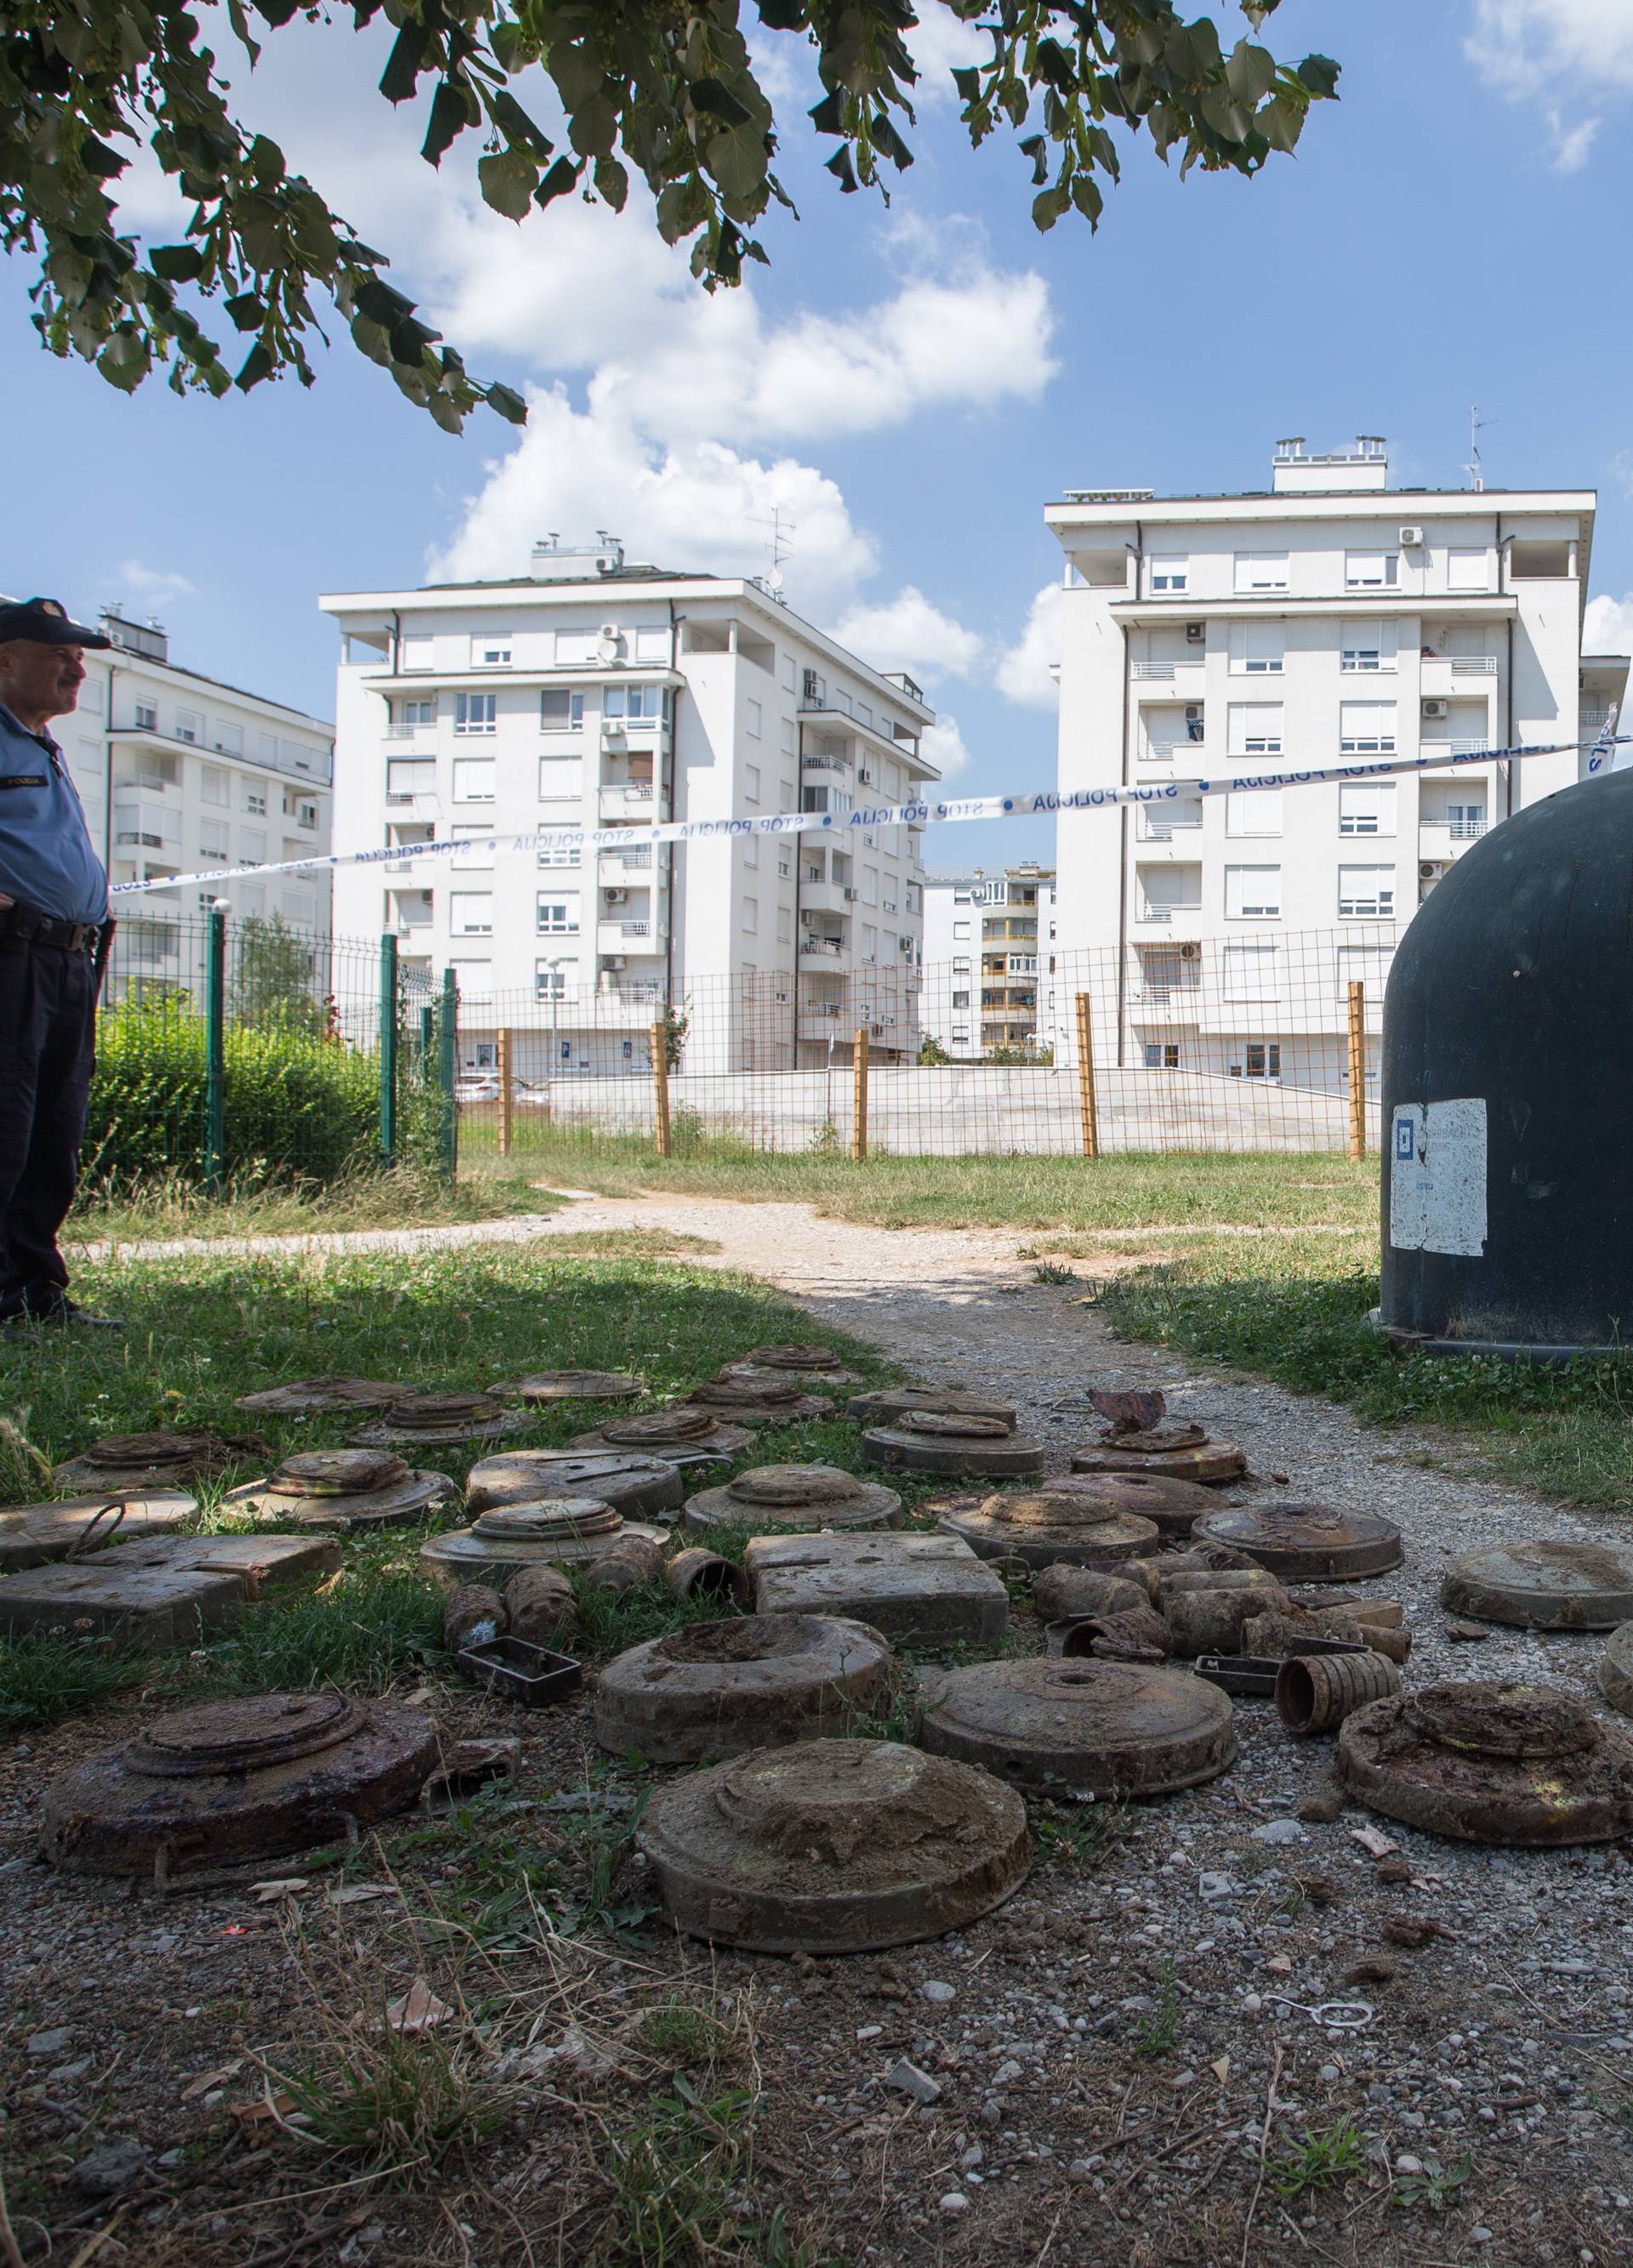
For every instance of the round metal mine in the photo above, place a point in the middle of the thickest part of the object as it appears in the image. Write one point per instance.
(834, 1847)
(1306, 1543)
(1613, 1671)
(632, 1484)
(231, 1780)
(311, 1397)
(567, 1531)
(751, 1682)
(1491, 1762)
(886, 1403)
(545, 1386)
(159, 1460)
(346, 1488)
(1111, 1728)
(1200, 1460)
(1173, 1507)
(939, 1441)
(34, 1535)
(796, 1355)
(1040, 1528)
(768, 1400)
(438, 1420)
(797, 1498)
(684, 1434)
(1543, 1586)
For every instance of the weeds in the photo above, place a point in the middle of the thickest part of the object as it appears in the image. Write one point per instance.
(894, 1713)
(1078, 1834)
(44, 1678)
(679, 2179)
(679, 2032)
(1436, 2187)
(1323, 2159)
(1155, 2034)
(1049, 1273)
(602, 1844)
(367, 1628)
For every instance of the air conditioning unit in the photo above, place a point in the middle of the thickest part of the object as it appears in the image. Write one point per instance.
(1193, 710)
(617, 897)
(1189, 951)
(614, 960)
(865, 776)
(1410, 537)
(1437, 708)
(1428, 869)
(1195, 633)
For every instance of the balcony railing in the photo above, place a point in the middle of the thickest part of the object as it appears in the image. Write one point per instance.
(833, 945)
(1466, 830)
(1154, 669)
(825, 763)
(1473, 665)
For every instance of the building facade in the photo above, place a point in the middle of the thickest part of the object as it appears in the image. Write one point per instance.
(592, 693)
(989, 962)
(1329, 617)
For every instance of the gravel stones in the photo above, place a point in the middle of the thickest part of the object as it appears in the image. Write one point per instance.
(1307, 1543)
(1490, 1761)
(685, 1435)
(1613, 1671)
(34, 1535)
(169, 1459)
(315, 1397)
(1543, 1585)
(343, 1488)
(1039, 1527)
(438, 1420)
(834, 1847)
(886, 1403)
(952, 1442)
(238, 1779)
(565, 1532)
(798, 1497)
(634, 1485)
(754, 1681)
(1107, 1728)
(543, 1387)
(919, 1590)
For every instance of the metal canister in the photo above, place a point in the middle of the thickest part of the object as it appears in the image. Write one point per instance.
(1315, 1692)
(696, 1574)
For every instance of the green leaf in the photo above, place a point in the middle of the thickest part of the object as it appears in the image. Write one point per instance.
(612, 183)
(828, 115)
(1319, 73)
(1281, 122)
(257, 365)
(1037, 148)
(177, 263)
(1048, 207)
(1249, 73)
(785, 15)
(593, 127)
(380, 303)
(887, 139)
(98, 160)
(507, 180)
(738, 159)
(968, 84)
(1227, 118)
(248, 311)
(840, 167)
(715, 100)
(1087, 198)
(453, 109)
(276, 11)
(509, 404)
(404, 64)
(562, 176)
(514, 123)
(683, 206)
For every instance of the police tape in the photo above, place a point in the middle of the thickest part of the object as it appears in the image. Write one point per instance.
(865, 818)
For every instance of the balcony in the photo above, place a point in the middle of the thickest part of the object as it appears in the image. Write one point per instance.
(1457, 673)
(626, 937)
(828, 947)
(1164, 681)
(627, 862)
(825, 763)
(1182, 921)
(620, 799)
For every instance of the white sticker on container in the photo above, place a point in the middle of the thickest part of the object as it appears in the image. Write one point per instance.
(1438, 1177)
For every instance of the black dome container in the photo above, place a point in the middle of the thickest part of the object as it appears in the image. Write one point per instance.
(1508, 1038)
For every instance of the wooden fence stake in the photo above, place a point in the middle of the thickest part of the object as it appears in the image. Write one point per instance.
(859, 1096)
(506, 1092)
(1357, 1068)
(660, 1084)
(1085, 1078)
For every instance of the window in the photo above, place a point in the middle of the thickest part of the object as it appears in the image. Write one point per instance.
(410, 776)
(1252, 893)
(417, 651)
(556, 854)
(1254, 811)
(1250, 972)
(633, 703)
(1170, 572)
(1264, 1058)
(561, 710)
(1466, 821)
(750, 850)
(1256, 649)
(475, 779)
(255, 802)
(961, 1039)
(1162, 1054)
(1262, 570)
(750, 917)
(212, 784)
(870, 886)
(1368, 807)
(1255, 728)
(212, 838)
(147, 717)
(417, 713)
(785, 932)
(961, 967)
(750, 782)
(558, 914)
(228, 738)
(652, 643)
(473, 978)
(91, 696)
(1469, 571)
(754, 716)
(1365, 647)
(864, 713)
(561, 779)
(1364, 964)
(490, 651)
(470, 913)
(189, 725)
(266, 746)
(1366, 728)
(1159, 820)
(869, 942)
(574, 648)
(481, 857)
(476, 712)
(252, 845)
(787, 672)
(1366, 893)
(960, 999)
(1371, 571)
(784, 869)
(785, 739)
(961, 932)
(550, 978)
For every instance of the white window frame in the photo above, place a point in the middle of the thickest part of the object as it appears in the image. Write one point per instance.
(1366, 807)
(424, 781)
(556, 913)
(1256, 891)
(466, 768)
(470, 828)
(1258, 649)
(461, 920)
(1250, 959)
(1368, 728)
(1371, 571)
(551, 769)
(1254, 728)
(491, 649)
(1367, 649)
(1168, 571)
(1468, 568)
(1262, 570)
(572, 696)
(1373, 901)
(1253, 813)
(476, 714)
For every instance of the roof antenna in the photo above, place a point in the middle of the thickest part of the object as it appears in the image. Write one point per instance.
(1476, 426)
(781, 527)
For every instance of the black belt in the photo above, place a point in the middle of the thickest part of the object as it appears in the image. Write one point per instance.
(25, 924)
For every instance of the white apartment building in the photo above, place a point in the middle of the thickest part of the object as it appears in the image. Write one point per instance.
(1330, 617)
(592, 693)
(989, 960)
(180, 773)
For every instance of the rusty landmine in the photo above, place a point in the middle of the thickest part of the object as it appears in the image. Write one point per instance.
(753, 1682)
(686, 1434)
(1306, 1543)
(1212, 1463)
(630, 1484)
(157, 1459)
(769, 1400)
(546, 1386)
(954, 1442)
(1156, 1440)
(1131, 1409)
(1543, 1586)
(793, 1354)
(564, 1532)
(797, 1498)
(438, 1420)
(311, 1397)
(1524, 1764)
(834, 1847)
(233, 1780)
(1173, 1507)
(344, 1488)
(918, 1590)
(886, 1403)
(1613, 1671)
(1038, 1528)
(34, 1535)
(1109, 1728)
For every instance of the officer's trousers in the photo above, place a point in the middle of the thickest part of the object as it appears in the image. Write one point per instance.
(47, 1033)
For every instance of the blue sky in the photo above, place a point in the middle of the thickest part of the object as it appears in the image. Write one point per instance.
(912, 386)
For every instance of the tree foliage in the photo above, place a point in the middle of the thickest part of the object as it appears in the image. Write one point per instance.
(664, 89)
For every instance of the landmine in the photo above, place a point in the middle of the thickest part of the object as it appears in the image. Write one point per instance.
(1173, 1507)
(632, 1486)
(342, 1488)
(685, 1435)
(233, 1780)
(142, 1463)
(1613, 1671)
(801, 1357)
(769, 1400)
(1490, 1761)
(165, 1591)
(886, 1403)
(541, 1387)
(34, 1535)
(938, 1441)
(798, 1497)
(315, 1397)
(1306, 1543)
(1106, 1728)
(1040, 1528)
(918, 1590)
(834, 1847)
(1136, 1440)
(1543, 1586)
(569, 1531)
(438, 1421)
(751, 1681)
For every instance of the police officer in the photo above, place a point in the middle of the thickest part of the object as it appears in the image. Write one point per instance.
(54, 937)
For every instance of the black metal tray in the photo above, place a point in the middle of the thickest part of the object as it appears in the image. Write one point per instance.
(513, 1670)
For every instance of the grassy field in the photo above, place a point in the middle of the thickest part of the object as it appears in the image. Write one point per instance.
(167, 1205)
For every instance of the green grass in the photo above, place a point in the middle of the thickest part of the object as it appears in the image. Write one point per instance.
(167, 1205)
(1156, 2035)
(1321, 2161)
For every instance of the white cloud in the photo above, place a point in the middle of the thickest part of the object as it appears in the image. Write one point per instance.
(1607, 625)
(1572, 144)
(940, 43)
(1025, 672)
(941, 745)
(910, 632)
(1517, 42)
(155, 587)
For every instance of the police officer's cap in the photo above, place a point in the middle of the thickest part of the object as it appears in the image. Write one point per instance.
(47, 621)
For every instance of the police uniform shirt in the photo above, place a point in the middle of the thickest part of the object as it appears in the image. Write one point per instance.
(47, 857)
